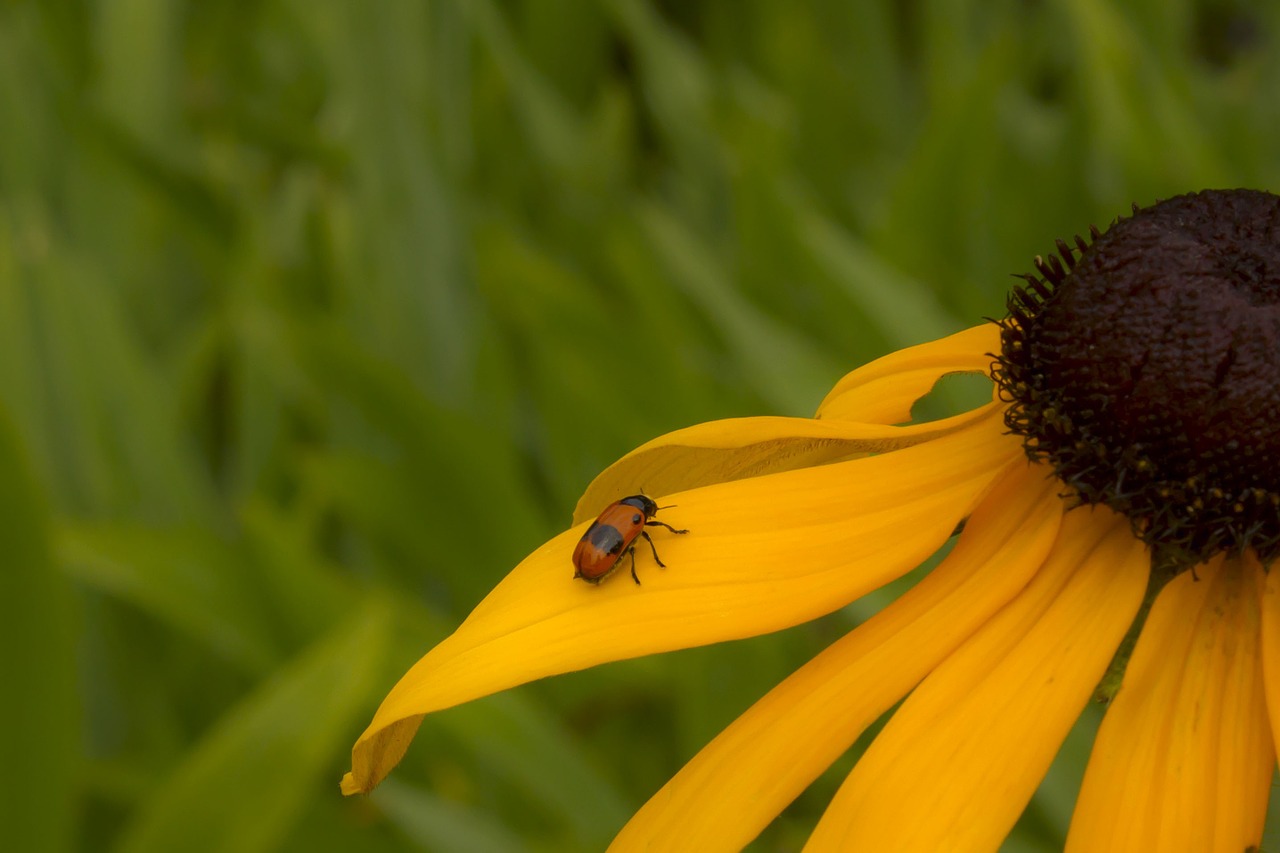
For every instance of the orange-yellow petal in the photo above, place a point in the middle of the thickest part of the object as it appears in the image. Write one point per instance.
(959, 761)
(1269, 589)
(1184, 757)
(884, 391)
(735, 786)
(737, 448)
(762, 554)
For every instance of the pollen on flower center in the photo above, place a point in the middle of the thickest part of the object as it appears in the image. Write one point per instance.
(1145, 368)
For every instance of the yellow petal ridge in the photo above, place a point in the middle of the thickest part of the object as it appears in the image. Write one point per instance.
(1269, 592)
(738, 448)
(762, 554)
(854, 419)
(1184, 757)
(735, 786)
(885, 390)
(958, 762)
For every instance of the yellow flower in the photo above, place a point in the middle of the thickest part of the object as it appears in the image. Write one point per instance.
(1078, 507)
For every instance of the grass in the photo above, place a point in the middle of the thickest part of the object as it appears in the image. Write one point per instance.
(314, 318)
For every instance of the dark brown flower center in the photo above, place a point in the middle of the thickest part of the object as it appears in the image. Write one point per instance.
(1146, 371)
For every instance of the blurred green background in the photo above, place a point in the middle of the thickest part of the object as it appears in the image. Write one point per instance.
(316, 317)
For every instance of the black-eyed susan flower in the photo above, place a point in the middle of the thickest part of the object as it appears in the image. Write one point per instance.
(1130, 456)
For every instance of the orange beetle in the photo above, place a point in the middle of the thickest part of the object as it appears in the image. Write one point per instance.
(613, 534)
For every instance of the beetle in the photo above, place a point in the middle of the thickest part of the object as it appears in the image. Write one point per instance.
(613, 535)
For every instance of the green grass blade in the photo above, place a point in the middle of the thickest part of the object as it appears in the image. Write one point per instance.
(40, 716)
(248, 780)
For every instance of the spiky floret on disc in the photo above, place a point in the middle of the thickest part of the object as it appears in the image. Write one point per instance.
(1144, 366)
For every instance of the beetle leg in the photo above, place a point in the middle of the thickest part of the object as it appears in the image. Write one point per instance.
(632, 552)
(663, 524)
(652, 548)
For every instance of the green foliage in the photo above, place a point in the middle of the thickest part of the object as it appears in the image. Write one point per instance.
(316, 317)
(40, 752)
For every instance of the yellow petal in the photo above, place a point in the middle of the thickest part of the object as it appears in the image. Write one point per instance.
(1269, 583)
(761, 554)
(736, 785)
(736, 448)
(959, 761)
(1184, 757)
(884, 391)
